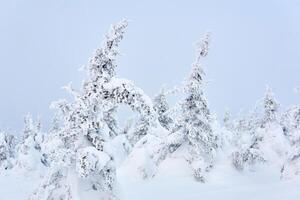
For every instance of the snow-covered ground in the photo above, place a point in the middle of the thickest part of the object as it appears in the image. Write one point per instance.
(188, 190)
(174, 181)
(16, 185)
(184, 188)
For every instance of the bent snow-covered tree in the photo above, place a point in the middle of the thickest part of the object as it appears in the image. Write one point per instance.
(122, 91)
(82, 136)
(83, 144)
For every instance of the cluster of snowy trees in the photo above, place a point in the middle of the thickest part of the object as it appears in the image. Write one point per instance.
(86, 144)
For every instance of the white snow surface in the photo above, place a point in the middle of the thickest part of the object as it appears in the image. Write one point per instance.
(174, 181)
(173, 178)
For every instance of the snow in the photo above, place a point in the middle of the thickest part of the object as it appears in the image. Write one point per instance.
(184, 188)
(175, 182)
(15, 185)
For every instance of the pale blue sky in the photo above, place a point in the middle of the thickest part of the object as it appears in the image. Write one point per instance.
(43, 43)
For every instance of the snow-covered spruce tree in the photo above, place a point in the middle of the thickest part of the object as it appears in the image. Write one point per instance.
(248, 154)
(291, 167)
(110, 119)
(49, 139)
(291, 127)
(244, 135)
(7, 150)
(83, 145)
(267, 142)
(196, 118)
(79, 149)
(227, 120)
(29, 153)
(194, 127)
(228, 134)
(247, 142)
(55, 124)
(271, 107)
(290, 122)
(161, 107)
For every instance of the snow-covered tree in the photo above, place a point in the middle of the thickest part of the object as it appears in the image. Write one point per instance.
(83, 144)
(243, 127)
(194, 125)
(80, 142)
(267, 142)
(290, 121)
(121, 91)
(111, 122)
(55, 124)
(47, 146)
(291, 167)
(227, 120)
(196, 118)
(161, 107)
(271, 107)
(29, 153)
(31, 132)
(7, 150)
(248, 154)
(247, 141)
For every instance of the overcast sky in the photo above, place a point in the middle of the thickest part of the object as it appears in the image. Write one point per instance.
(43, 43)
